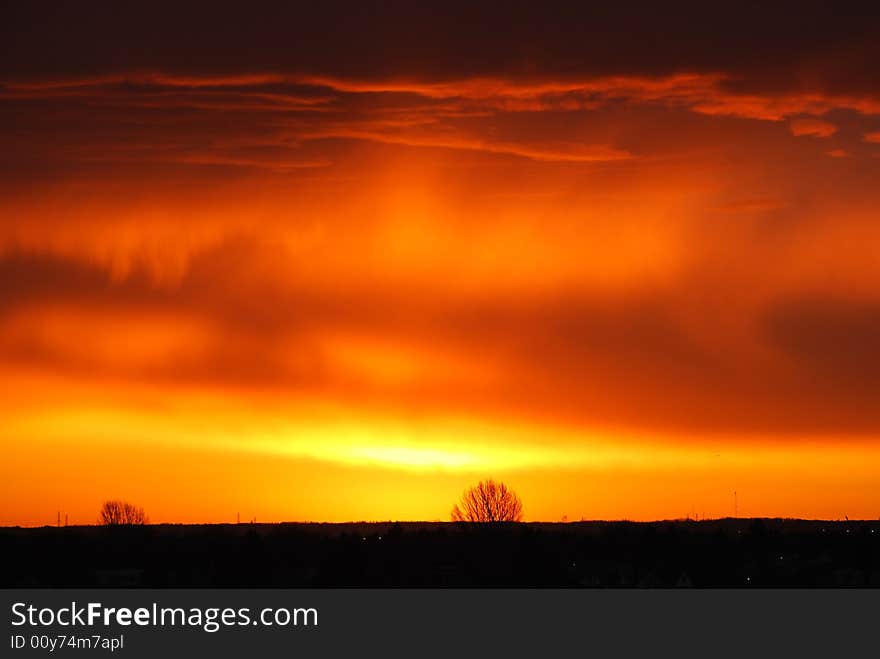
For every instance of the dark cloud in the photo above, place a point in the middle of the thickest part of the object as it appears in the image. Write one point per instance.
(39, 278)
(446, 40)
(633, 361)
(831, 340)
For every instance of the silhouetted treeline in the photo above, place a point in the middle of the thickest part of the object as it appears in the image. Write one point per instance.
(723, 553)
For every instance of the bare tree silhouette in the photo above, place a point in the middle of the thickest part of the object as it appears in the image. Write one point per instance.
(488, 501)
(117, 513)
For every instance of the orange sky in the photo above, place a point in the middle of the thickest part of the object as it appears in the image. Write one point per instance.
(313, 266)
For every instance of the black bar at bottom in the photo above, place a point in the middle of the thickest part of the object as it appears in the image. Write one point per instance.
(448, 623)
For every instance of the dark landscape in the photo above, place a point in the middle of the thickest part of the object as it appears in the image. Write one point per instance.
(682, 553)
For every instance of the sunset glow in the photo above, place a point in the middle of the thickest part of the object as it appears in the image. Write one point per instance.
(338, 284)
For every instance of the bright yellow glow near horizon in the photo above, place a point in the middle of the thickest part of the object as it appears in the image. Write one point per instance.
(223, 457)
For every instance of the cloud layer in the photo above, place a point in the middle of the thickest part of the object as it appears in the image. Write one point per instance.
(562, 219)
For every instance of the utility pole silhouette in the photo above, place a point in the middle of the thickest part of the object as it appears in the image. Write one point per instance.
(735, 505)
(58, 520)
